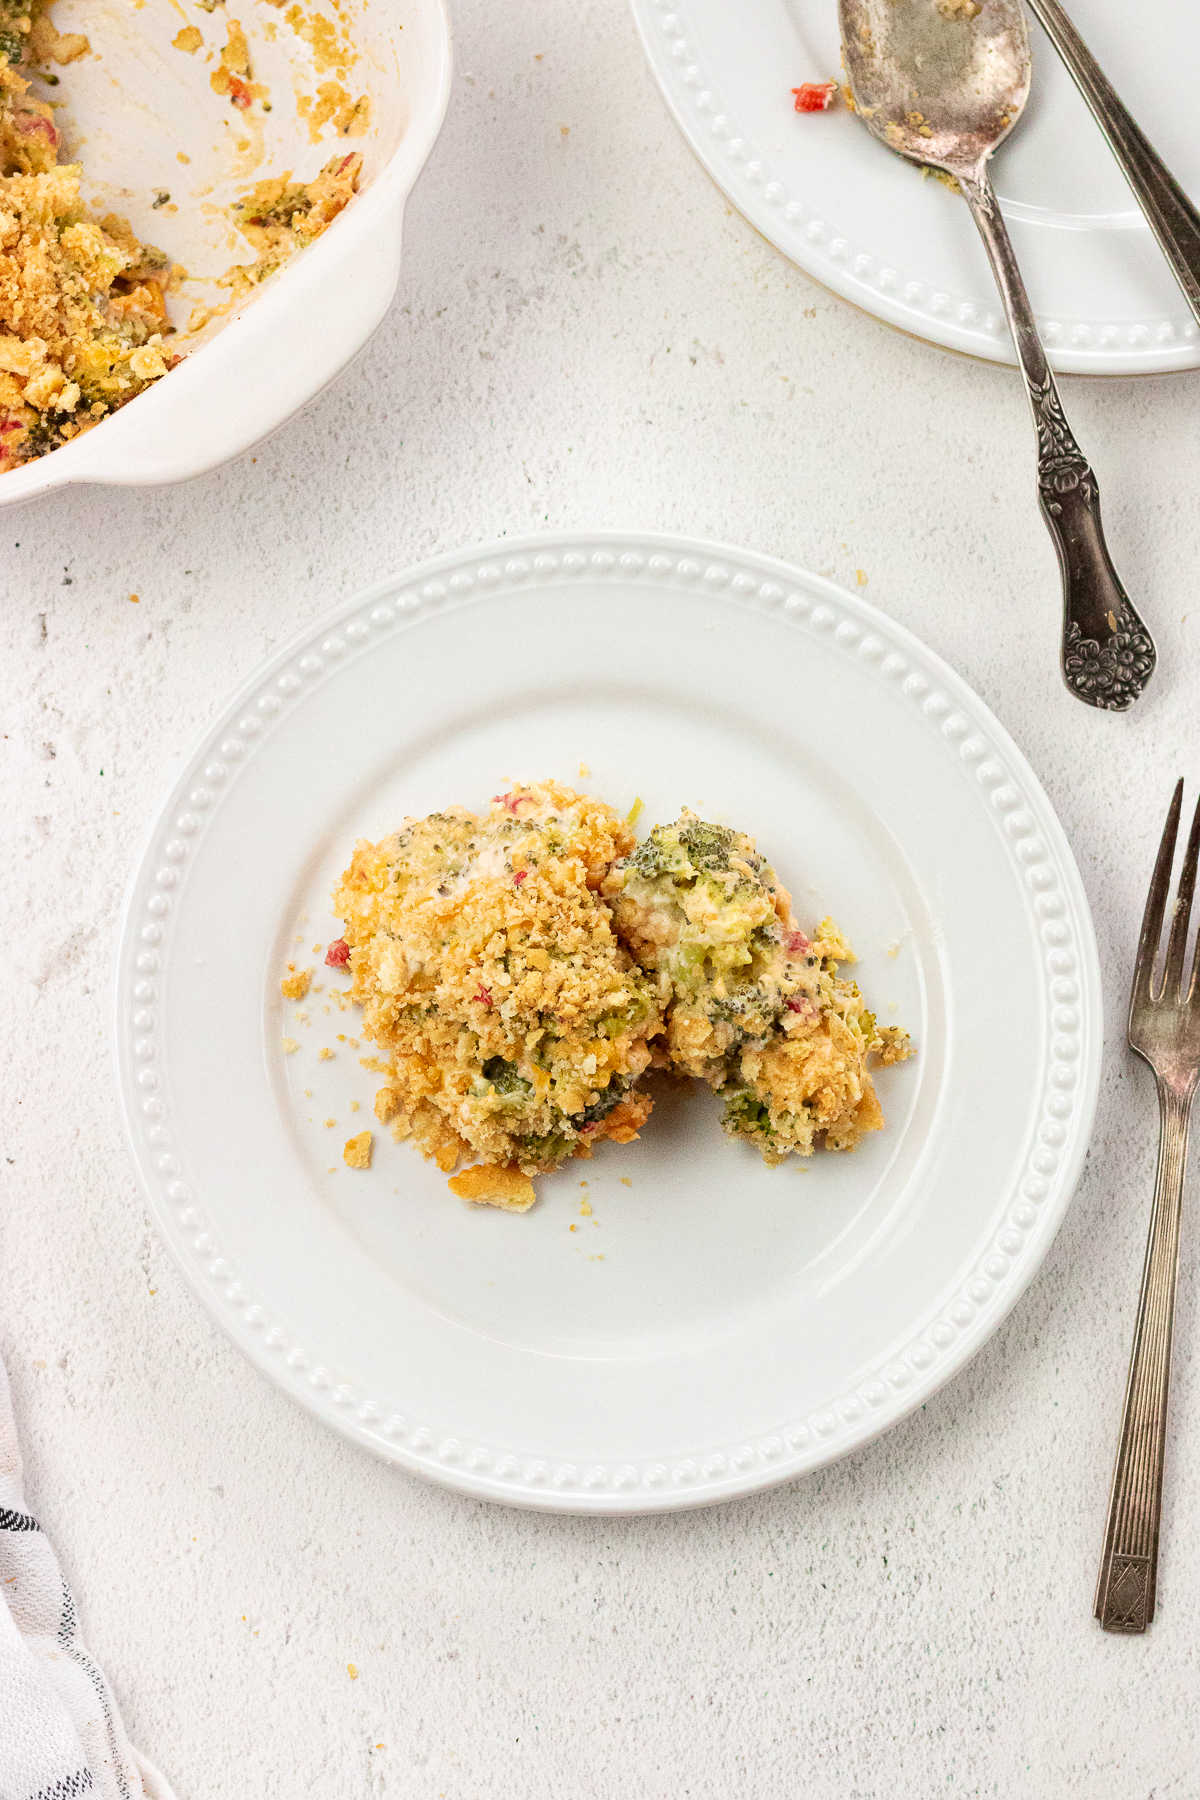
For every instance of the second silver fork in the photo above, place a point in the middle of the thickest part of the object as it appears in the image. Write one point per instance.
(1164, 1029)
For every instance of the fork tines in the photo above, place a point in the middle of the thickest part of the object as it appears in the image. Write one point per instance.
(1174, 988)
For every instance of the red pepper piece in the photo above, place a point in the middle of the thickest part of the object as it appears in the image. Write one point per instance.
(814, 96)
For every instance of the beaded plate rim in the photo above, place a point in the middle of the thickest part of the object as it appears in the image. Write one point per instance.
(1026, 823)
(1154, 345)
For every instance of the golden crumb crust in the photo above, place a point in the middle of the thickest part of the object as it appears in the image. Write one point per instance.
(514, 1023)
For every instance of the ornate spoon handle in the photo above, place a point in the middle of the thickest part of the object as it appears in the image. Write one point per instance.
(1170, 214)
(1107, 653)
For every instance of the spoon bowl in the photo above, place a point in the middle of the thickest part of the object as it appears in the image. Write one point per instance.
(940, 83)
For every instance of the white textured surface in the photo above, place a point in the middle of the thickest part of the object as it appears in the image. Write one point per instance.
(586, 335)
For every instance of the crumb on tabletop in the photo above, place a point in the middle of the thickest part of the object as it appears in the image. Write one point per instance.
(290, 1046)
(352, 1671)
(295, 983)
(486, 1185)
(387, 1104)
(188, 39)
(356, 1152)
(324, 1054)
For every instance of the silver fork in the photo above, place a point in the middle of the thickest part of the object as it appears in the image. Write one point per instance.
(1164, 1029)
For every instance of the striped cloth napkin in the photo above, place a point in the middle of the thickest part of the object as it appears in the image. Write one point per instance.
(60, 1731)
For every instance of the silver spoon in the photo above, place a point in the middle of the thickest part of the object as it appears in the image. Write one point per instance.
(943, 82)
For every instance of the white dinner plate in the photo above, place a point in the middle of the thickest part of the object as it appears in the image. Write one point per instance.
(710, 1325)
(872, 228)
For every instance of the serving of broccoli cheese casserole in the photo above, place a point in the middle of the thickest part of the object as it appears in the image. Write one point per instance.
(522, 971)
(515, 1023)
(753, 1005)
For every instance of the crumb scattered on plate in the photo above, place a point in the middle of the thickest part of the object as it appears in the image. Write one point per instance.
(487, 1185)
(356, 1152)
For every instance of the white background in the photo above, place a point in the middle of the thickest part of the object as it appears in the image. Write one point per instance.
(586, 335)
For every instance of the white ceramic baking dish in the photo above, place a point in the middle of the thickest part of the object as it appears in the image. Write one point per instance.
(142, 118)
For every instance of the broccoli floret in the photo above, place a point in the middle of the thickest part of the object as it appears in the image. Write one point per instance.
(670, 849)
(42, 436)
(746, 1116)
(708, 847)
(600, 1109)
(654, 857)
(750, 1013)
(504, 1078)
(552, 1147)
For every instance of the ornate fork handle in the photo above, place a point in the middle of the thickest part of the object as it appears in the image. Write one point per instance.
(1107, 653)
(1171, 215)
(1129, 1565)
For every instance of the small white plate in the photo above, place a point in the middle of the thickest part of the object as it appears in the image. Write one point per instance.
(904, 248)
(713, 1325)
